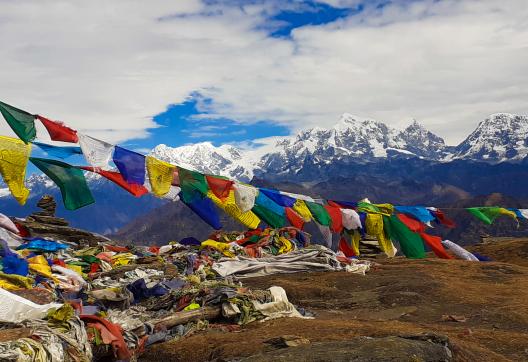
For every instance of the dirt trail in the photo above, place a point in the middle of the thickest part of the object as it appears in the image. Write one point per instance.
(399, 305)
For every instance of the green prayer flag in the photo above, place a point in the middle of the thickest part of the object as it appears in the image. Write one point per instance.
(411, 243)
(490, 213)
(319, 213)
(71, 181)
(269, 217)
(21, 122)
(190, 182)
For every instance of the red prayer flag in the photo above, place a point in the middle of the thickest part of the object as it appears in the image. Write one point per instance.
(337, 219)
(295, 219)
(58, 131)
(435, 243)
(135, 189)
(345, 248)
(219, 186)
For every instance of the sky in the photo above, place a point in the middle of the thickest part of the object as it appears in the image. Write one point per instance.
(141, 73)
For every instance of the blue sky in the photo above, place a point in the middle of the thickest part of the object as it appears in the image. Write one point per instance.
(232, 71)
(186, 122)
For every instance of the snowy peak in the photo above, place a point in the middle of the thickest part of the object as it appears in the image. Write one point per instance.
(225, 160)
(500, 137)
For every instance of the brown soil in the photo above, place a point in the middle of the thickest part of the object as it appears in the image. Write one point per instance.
(397, 303)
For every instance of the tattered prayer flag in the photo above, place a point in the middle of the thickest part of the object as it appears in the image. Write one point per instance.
(220, 186)
(490, 213)
(337, 220)
(58, 131)
(117, 178)
(21, 122)
(319, 213)
(14, 157)
(374, 226)
(411, 243)
(97, 153)
(160, 175)
(295, 219)
(61, 152)
(278, 198)
(70, 180)
(190, 182)
(131, 165)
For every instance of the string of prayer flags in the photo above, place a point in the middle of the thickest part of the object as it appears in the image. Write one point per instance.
(21, 122)
(117, 178)
(161, 175)
(374, 227)
(13, 162)
(96, 152)
(61, 152)
(58, 131)
(131, 165)
(490, 213)
(70, 180)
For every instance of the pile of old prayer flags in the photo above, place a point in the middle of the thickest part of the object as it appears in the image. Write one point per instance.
(205, 194)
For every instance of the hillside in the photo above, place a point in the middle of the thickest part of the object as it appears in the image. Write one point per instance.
(426, 310)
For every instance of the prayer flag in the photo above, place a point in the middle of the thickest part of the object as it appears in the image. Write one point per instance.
(13, 161)
(21, 122)
(161, 175)
(58, 131)
(131, 165)
(71, 181)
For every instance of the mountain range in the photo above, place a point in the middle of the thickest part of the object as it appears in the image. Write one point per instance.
(355, 158)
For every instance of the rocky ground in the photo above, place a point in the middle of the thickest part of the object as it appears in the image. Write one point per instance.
(402, 310)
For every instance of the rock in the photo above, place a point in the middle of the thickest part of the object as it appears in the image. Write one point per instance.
(288, 341)
(365, 349)
(45, 224)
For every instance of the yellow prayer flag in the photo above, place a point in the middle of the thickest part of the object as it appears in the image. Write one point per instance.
(160, 175)
(14, 156)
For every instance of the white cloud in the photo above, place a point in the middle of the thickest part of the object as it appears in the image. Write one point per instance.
(108, 67)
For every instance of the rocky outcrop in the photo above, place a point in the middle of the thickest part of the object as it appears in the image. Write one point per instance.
(45, 224)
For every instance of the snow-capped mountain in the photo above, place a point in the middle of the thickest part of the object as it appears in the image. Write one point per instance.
(500, 137)
(363, 140)
(225, 160)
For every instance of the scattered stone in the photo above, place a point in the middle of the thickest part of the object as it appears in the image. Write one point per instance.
(454, 318)
(288, 341)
